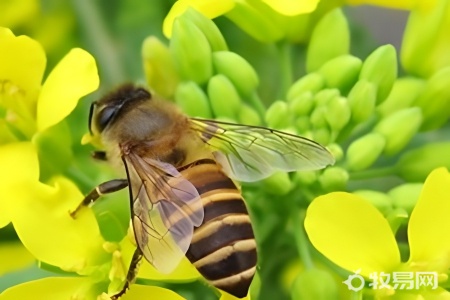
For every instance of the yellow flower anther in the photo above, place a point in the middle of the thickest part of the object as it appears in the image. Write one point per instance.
(75, 267)
(110, 247)
(118, 269)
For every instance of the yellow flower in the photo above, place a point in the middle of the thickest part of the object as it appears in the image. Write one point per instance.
(38, 206)
(28, 109)
(29, 106)
(352, 233)
(40, 214)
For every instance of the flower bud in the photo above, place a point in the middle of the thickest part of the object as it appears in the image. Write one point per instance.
(302, 124)
(334, 179)
(321, 135)
(363, 152)
(312, 82)
(191, 51)
(223, 96)
(324, 96)
(415, 165)
(305, 178)
(338, 113)
(336, 150)
(314, 284)
(237, 69)
(405, 196)
(192, 100)
(209, 29)
(380, 68)
(260, 24)
(398, 128)
(329, 39)
(159, 67)
(278, 115)
(403, 94)
(361, 99)
(318, 117)
(302, 104)
(378, 199)
(435, 100)
(277, 184)
(247, 115)
(341, 72)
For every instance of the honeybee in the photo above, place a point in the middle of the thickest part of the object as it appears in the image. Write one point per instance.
(181, 175)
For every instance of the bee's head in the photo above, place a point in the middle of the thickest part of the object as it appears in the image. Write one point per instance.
(108, 109)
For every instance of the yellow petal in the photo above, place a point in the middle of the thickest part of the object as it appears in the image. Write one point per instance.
(401, 4)
(292, 7)
(19, 163)
(209, 8)
(51, 288)
(184, 272)
(74, 77)
(18, 257)
(154, 292)
(352, 233)
(40, 214)
(429, 225)
(22, 63)
(5, 33)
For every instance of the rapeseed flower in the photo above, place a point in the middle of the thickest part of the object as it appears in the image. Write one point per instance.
(353, 234)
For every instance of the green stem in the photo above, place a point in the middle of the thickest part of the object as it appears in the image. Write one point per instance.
(301, 240)
(373, 173)
(284, 54)
(102, 44)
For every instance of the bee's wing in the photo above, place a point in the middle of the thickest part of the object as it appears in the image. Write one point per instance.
(165, 208)
(250, 153)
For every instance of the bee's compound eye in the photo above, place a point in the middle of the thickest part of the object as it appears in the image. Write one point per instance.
(105, 116)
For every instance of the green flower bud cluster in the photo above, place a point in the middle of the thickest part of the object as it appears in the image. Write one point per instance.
(361, 108)
(206, 80)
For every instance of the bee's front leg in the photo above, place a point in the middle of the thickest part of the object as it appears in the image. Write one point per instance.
(131, 275)
(104, 188)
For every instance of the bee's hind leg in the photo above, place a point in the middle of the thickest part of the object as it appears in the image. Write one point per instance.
(131, 275)
(103, 188)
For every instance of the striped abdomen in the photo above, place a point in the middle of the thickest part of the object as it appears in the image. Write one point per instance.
(223, 247)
